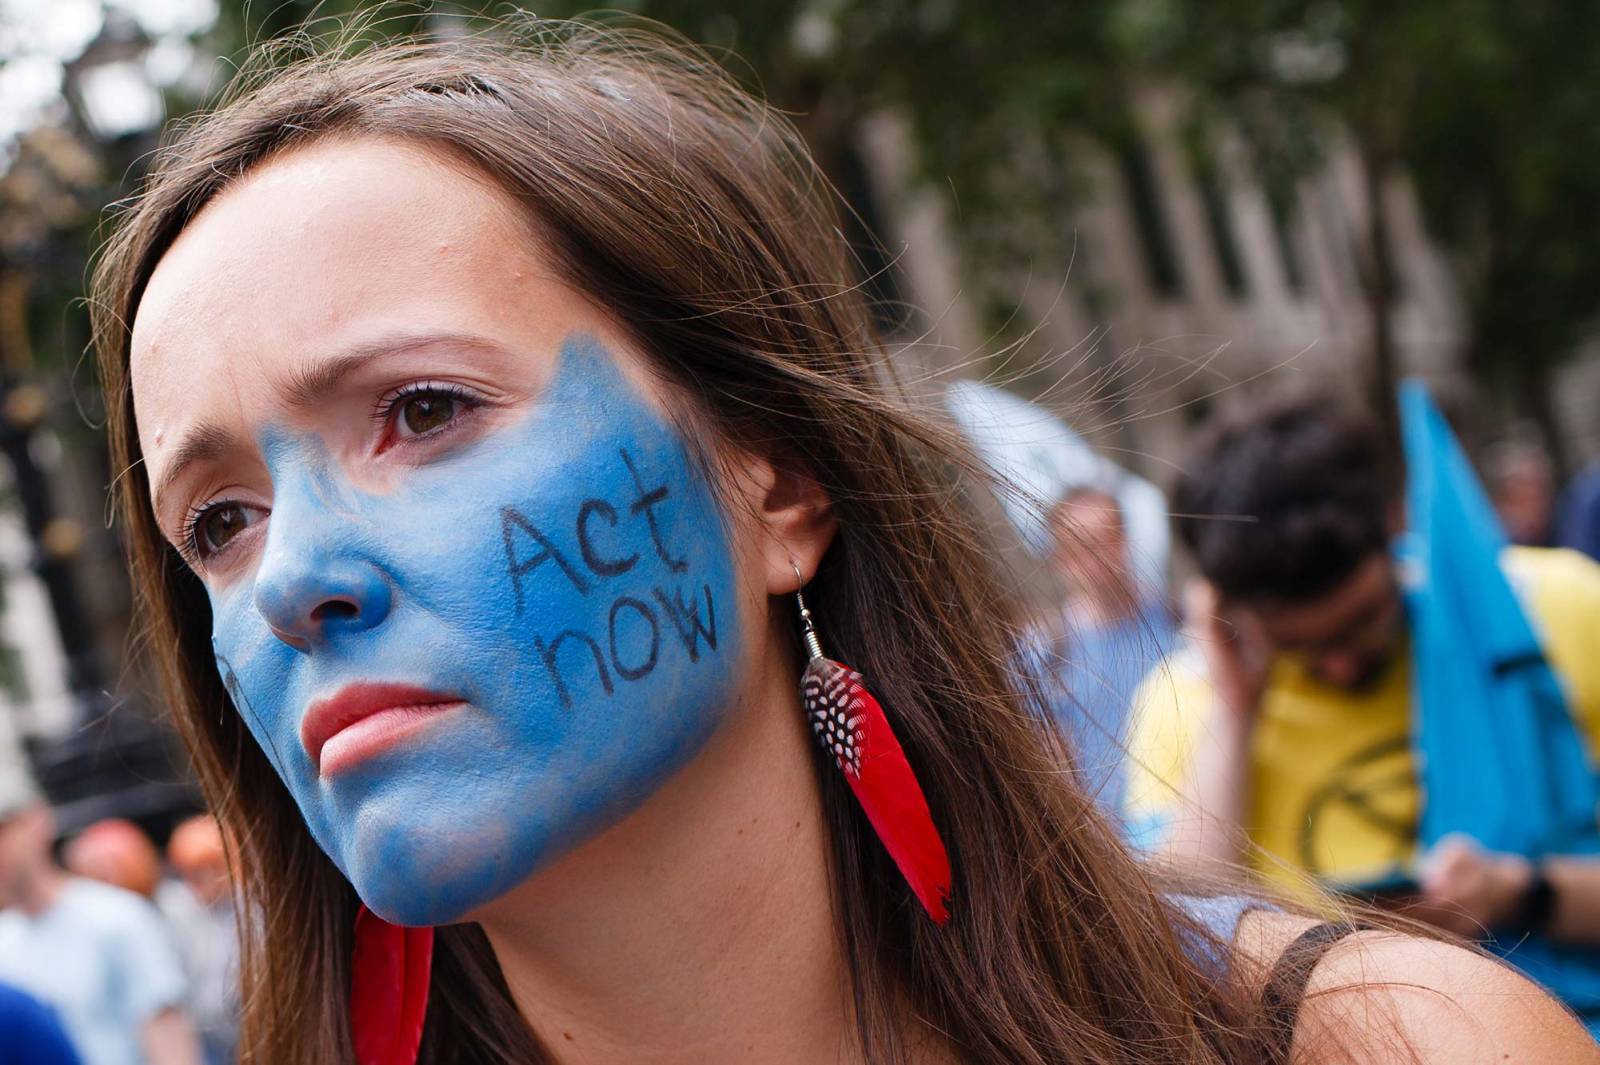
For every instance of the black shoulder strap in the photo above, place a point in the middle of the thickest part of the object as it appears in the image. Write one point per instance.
(1286, 985)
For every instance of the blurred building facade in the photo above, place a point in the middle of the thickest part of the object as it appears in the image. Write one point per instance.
(1177, 290)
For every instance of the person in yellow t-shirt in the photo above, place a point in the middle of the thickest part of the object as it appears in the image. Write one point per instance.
(1279, 737)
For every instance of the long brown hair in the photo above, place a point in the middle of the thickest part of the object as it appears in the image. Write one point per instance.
(697, 213)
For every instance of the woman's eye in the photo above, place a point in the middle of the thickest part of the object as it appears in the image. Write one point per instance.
(426, 411)
(219, 524)
(422, 411)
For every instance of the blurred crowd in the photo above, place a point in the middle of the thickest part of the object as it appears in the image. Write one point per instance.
(111, 951)
(1346, 644)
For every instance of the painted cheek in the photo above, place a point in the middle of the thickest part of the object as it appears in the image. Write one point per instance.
(571, 578)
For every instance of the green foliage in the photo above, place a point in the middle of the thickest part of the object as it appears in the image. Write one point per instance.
(988, 90)
(1490, 108)
(1505, 150)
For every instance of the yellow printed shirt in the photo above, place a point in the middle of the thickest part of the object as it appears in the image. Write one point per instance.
(1332, 784)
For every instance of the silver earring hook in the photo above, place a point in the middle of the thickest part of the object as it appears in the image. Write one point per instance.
(808, 628)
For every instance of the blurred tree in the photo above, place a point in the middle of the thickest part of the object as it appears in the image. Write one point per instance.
(43, 193)
(988, 90)
(1505, 152)
(1294, 76)
(78, 103)
(1488, 106)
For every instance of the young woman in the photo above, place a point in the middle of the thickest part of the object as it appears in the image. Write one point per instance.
(482, 407)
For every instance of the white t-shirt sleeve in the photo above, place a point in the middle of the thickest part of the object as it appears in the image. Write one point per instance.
(150, 971)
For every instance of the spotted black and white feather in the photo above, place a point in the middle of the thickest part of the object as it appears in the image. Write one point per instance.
(837, 716)
(853, 729)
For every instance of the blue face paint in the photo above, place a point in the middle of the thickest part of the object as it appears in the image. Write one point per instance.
(569, 576)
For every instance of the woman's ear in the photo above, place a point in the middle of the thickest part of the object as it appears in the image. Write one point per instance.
(795, 522)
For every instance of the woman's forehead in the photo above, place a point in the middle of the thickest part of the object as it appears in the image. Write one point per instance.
(323, 249)
(311, 239)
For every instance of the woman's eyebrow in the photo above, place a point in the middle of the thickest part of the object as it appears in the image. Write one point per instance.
(203, 443)
(208, 441)
(308, 385)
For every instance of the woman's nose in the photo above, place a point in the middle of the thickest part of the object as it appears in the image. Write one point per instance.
(311, 596)
(310, 589)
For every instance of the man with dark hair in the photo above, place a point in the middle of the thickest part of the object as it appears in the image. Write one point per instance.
(1288, 507)
(1281, 736)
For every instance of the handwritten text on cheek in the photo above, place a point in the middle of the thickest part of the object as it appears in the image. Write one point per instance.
(609, 538)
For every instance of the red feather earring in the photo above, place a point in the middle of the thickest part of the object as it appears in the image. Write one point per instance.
(388, 990)
(852, 727)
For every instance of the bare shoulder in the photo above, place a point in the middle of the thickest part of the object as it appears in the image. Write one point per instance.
(1384, 997)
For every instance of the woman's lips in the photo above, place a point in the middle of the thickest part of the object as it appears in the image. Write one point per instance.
(360, 720)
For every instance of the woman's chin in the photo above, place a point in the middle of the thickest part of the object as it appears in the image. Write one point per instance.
(421, 850)
(417, 875)
(432, 874)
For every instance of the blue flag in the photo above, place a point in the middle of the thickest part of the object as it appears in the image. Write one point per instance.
(1498, 753)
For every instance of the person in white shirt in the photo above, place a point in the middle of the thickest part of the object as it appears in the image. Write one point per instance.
(99, 955)
(199, 909)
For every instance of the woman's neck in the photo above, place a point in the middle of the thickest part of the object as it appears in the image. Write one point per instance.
(701, 927)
